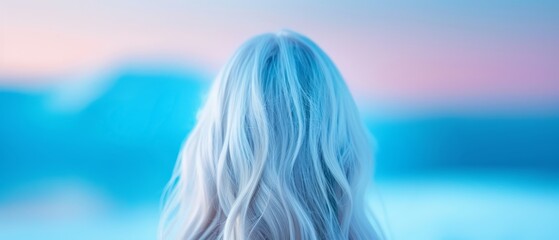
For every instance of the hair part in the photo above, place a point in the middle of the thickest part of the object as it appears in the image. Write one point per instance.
(279, 151)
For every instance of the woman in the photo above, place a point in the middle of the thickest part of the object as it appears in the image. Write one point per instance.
(278, 152)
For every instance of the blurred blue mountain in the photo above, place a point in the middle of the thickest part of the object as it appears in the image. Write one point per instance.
(127, 140)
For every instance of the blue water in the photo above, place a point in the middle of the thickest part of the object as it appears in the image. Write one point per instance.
(96, 171)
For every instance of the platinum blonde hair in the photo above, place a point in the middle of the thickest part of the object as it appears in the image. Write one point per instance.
(279, 151)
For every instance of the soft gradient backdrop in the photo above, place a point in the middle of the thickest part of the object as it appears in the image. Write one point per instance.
(462, 98)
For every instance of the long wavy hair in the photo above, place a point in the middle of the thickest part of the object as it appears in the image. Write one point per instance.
(279, 151)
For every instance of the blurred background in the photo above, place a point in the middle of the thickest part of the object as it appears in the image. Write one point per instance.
(462, 98)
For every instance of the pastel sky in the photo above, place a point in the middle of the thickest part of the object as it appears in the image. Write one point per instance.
(461, 52)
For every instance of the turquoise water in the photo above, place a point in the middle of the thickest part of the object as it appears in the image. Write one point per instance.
(436, 206)
(77, 164)
(468, 205)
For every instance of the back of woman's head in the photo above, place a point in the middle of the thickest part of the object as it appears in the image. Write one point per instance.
(278, 152)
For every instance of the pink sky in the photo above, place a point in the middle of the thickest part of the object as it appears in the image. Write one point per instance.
(387, 52)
